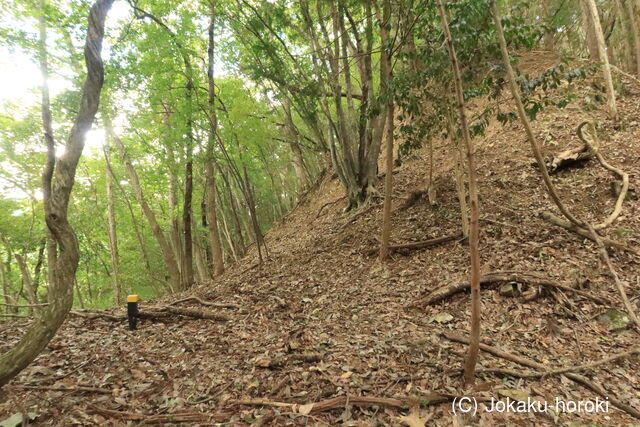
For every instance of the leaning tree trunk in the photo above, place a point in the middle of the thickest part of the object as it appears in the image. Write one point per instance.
(594, 23)
(57, 192)
(474, 230)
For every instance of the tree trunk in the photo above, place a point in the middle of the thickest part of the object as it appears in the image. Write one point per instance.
(602, 51)
(27, 281)
(549, 29)
(589, 30)
(57, 193)
(386, 64)
(460, 174)
(594, 22)
(165, 248)
(635, 33)
(474, 232)
(111, 220)
(212, 218)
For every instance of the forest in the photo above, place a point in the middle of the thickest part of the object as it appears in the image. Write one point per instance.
(319, 212)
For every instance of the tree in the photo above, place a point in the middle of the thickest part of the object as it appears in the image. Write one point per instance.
(474, 230)
(592, 19)
(212, 219)
(58, 180)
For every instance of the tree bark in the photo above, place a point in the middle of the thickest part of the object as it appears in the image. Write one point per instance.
(474, 230)
(212, 218)
(27, 281)
(602, 52)
(111, 220)
(57, 193)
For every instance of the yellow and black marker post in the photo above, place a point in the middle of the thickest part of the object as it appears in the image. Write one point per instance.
(132, 311)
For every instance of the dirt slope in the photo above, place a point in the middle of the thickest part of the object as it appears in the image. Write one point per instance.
(320, 294)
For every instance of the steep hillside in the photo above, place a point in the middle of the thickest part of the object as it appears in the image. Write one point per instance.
(323, 319)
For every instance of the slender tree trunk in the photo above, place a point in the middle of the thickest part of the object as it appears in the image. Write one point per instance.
(176, 229)
(187, 211)
(27, 281)
(635, 33)
(590, 35)
(57, 193)
(602, 52)
(386, 64)
(549, 29)
(460, 173)
(474, 232)
(165, 248)
(212, 218)
(111, 220)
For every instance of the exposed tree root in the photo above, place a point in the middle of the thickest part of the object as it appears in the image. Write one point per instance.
(624, 177)
(407, 247)
(504, 276)
(549, 217)
(539, 366)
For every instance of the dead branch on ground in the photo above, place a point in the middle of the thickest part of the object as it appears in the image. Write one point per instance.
(407, 247)
(177, 417)
(207, 303)
(504, 276)
(539, 366)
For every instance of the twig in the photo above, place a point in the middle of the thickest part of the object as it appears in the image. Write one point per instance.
(539, 366)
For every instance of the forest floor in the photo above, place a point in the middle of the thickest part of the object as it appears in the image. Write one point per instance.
(322, 319)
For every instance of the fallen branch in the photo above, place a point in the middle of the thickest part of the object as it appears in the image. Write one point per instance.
(153, 313)
(539, 366)
(329, 404)
(504, 276)
(207, 303)
(177, 417)
(4, 304)
(549, 217)
(79, 388)
(419, 245)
